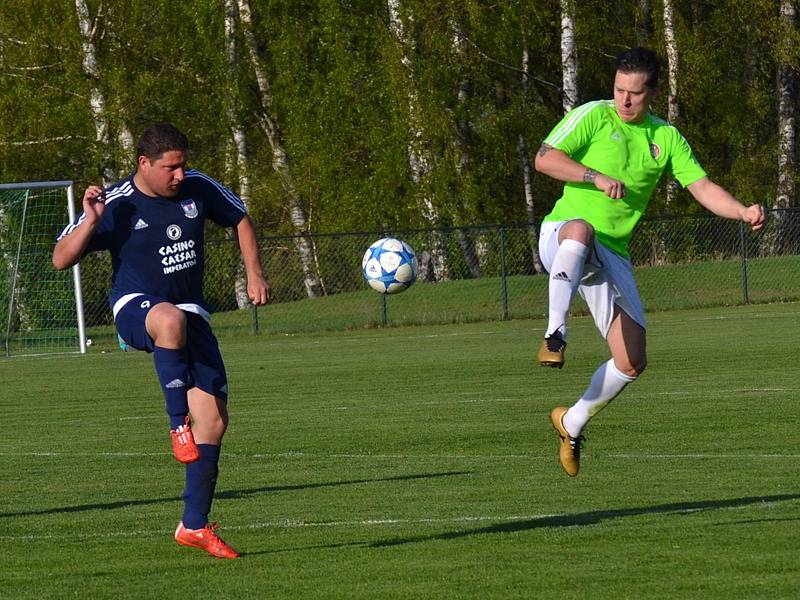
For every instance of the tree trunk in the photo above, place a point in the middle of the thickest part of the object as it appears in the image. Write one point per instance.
(644, 26)
(432, 262)
(787, 99)
(786, 83)
(464, 140)
(280, 159)
(672, 98)
(527, 172)
(238, 135)
(569, 56)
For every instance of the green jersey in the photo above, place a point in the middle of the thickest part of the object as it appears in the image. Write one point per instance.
(636, 154)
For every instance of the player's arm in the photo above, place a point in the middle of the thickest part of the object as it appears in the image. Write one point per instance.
(257, 287)
(719, 201)
(561, 166)
(70, 248)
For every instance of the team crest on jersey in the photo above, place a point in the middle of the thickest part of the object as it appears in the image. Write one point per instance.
(174, 232)
(190, 208)
(655, 151)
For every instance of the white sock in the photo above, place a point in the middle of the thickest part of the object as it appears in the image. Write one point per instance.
(607, 382)
(565, 277)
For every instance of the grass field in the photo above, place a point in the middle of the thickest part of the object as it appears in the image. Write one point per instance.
(418, 462)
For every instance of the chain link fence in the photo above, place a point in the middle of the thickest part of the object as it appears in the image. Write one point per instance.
(477, 273)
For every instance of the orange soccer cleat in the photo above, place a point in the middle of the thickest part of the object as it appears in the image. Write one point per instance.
(205, 539)
(183, 446)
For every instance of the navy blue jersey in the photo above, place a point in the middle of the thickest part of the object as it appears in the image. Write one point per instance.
(157, 244)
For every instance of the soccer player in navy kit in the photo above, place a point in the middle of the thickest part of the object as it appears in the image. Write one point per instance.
(153, 225)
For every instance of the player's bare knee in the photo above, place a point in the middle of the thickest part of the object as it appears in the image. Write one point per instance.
(578, 230)
(216, 426)
(166, 324)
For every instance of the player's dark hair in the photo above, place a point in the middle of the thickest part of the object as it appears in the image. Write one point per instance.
(640, 60)
(160, 138)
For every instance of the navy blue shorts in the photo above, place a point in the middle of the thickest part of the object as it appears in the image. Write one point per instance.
(206, 369)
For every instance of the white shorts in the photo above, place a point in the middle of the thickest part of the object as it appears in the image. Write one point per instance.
(607, 279)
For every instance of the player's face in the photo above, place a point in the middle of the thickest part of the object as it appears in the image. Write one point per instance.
(632, 96)
(163, 176)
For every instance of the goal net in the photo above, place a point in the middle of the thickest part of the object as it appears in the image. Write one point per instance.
(40, 307)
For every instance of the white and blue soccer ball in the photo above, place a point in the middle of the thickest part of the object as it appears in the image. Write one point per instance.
(389, 266)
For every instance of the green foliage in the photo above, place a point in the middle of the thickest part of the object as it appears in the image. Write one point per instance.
(348, 107)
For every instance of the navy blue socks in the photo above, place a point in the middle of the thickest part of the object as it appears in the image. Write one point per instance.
(173, 375)
(201, 481)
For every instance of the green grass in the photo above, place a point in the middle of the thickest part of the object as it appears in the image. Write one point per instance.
(418, 462)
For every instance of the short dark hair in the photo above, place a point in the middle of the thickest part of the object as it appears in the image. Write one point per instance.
(640, 60)
(160, 138)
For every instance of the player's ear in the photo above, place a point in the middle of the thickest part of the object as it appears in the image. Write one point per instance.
(143, 161)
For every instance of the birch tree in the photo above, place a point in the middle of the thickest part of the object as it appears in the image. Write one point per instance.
(97, 100)
(787, 107)
(280, 158)
(420, 160)
(569, 56)
(644, 23)
(527, 172)
(672, 75)
(239, 146)
(786, 91)
(464, 138)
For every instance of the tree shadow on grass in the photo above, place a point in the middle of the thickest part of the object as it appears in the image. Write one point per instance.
(230, 494)
(590, 518)
(574, 520)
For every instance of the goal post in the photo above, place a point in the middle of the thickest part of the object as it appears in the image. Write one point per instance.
(41, 308)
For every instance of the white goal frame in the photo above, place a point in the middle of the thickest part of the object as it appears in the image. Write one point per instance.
(76, 273)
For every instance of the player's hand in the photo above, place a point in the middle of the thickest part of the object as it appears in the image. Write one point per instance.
(755, 215)
(94, 203)
(613, 188)
(258, 290)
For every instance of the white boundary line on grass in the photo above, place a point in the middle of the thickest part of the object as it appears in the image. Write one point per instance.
(300, 523)
(485, 401)
(287, 524)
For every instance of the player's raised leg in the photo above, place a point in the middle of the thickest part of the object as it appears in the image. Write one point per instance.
(566, 269)
(210, 422)
(166, 324)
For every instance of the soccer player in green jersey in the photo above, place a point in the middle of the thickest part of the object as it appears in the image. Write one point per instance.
(611, 154)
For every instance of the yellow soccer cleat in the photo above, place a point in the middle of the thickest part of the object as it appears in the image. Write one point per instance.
(569, 452)
(551, 352)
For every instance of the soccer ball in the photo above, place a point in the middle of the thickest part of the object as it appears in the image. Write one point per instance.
(389, 266)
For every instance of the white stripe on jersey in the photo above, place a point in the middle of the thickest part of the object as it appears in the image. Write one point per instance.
(557, 136)
(124, 189)
(228, 194)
